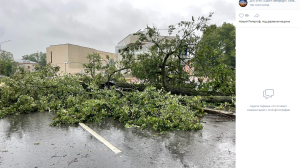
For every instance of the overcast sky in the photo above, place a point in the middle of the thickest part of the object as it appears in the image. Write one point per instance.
(35, 25)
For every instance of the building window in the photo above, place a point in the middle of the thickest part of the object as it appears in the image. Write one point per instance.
(28, 67)
(51, 56)
(111, 62)
(119, 50)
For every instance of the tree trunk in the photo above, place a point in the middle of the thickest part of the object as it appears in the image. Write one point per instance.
(192, 92)
(217, 99)
(181, 91)
(206, 96)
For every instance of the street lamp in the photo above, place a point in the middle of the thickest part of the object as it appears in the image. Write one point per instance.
(3, 42)
(65, 66)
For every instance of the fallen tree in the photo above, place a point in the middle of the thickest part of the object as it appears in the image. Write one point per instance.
(173, 90)
(206, 96)
(27, 92)
(217, 99)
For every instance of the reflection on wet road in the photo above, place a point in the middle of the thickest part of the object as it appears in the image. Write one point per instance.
(29, 141)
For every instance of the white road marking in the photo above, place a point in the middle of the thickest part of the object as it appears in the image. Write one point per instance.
(105, 142)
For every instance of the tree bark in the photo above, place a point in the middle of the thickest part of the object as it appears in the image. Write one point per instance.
(217, 99)
(109, 77)
(173, 90)
(206, 96)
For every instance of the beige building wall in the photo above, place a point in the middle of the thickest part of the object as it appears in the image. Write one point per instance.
(74, 55)
(28, 66)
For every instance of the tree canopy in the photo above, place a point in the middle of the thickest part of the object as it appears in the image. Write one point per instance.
(166, 57)
(95, 65)
(7, 64)
(222, 39)
(164, 61)
(215, 58)
(38, 57)
(4, 55)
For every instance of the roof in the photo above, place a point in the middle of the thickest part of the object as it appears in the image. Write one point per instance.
(80, 46)
(28, 63)
(124, 38)
(137, 35)
(20, 61)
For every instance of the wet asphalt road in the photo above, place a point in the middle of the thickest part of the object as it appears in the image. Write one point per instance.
(29, 141)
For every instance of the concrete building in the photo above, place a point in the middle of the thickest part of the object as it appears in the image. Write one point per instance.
(28, 65)
(129, 40)
(70, 58)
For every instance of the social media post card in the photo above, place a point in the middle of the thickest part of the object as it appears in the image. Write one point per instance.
(267, 53)
(267, 18)
(267, 4)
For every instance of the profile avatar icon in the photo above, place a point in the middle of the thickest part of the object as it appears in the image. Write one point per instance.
(243, 3)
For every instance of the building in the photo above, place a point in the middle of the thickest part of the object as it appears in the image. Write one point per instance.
(129, 40)
(28, 65)
(70, 58)
(190, 71)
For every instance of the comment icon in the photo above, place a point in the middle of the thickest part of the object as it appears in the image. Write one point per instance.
(268, 93)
